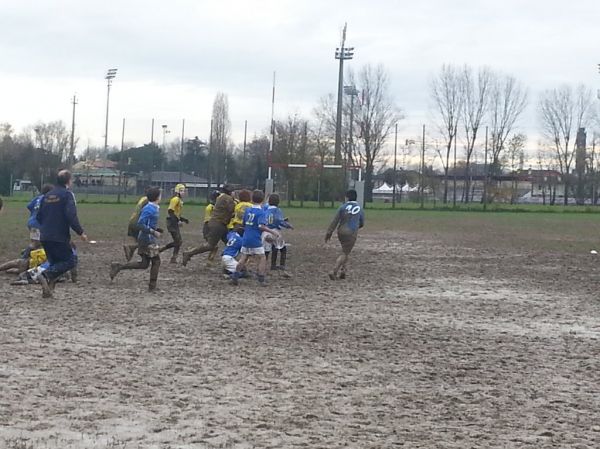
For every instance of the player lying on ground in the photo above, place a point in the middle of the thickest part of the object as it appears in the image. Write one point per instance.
(348, 220)
(174, 221)
(147, 241)
(30, 259)
(255, 223)
(36, 265)
(275, 243)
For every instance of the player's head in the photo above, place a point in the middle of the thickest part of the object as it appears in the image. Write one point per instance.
(46, 188)
(239, 229)
(63, 178)
(273, 199)
(180, 189)
(226, 188)
(213, 196)
(245, 195)
(153, 194)
(351, 195)
(258, 196)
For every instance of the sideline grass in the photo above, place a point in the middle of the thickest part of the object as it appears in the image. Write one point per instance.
(562, 232)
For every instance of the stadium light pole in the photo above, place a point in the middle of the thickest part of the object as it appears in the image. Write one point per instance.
(110, 75)
(341, 53)
(353, 92)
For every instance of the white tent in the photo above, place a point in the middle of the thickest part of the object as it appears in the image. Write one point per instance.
(383, 189)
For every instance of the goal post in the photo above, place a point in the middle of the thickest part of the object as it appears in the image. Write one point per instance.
(358, 185)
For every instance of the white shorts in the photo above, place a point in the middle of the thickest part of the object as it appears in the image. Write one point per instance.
(229, 263)
(260, 251)
(34, 234)
(270, 240)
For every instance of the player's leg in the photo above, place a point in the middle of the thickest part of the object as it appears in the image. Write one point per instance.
(61, 258)
(240, 269)
(262, 269)
(215, 233)
(12, 264)
(142, 264)
(274, 253)
(129, 248)
(154, 272)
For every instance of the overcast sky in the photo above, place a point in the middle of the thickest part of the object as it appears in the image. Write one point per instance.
(174, 56)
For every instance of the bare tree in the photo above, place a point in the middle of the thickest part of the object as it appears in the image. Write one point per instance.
(52, 137)
(221, 128)
(563, 111)
(507, 102)
(375, 119)
(475, 104)
(447, 96)
(516, 157)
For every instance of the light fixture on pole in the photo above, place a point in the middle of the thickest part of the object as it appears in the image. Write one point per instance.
(353, 92)
(110, 75)
(342, 53)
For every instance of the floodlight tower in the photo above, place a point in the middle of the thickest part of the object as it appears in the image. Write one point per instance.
(110, 75)
(342, 53)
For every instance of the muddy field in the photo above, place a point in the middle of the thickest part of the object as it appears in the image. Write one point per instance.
(437, 340)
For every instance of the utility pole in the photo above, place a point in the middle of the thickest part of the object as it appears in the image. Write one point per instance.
(422, 187)
(181, 150)
(152, 133)
(454, 169)
(244, 159)
(485, 170)
(121, 161)
(269, 187)
(110, 75)
(208, 172)
(342, 53)
(395, 175)
(72, 150)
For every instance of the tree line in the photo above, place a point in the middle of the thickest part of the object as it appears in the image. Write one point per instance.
(475, 114)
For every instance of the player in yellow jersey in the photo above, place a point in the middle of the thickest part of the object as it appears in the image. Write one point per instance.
(132, 227)
(31, 259)
(244, 197)
(174, 221)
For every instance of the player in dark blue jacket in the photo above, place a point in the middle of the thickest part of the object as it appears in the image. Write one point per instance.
(349, 218)
(57, 215)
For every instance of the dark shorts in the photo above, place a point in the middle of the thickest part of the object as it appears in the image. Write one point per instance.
(175, 232)
(347, 240)
(132, 231)
(216, 231)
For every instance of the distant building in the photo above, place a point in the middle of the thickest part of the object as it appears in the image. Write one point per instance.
(102, 177)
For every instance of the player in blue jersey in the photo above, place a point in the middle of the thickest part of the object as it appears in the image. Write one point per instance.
(349, 218)
(276, 222)
(255, 223)
(232, 249)
(148, 248)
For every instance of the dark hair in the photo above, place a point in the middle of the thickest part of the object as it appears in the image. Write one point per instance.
(213, 196)
(351, 195)
(46, 188)
(63, 178)
(245, 195)
(226, 189)
(0, 203)
(153, 194)
(258, 196)
(273, 199)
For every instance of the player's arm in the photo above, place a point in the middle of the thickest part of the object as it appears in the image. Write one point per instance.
(71, 214)
(334, 224)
